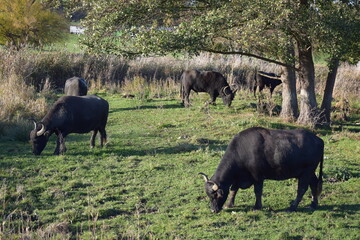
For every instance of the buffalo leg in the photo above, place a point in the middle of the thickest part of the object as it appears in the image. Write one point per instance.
(303, 185)
(258, 188)
(213, 97)
(233, 191)
(60, 144)
(255, 86)
(56, 152)
(314, 191)
(271, 90)
(186, 96)
(102, 137)
(261, 87)
(92, 139)
(182, 95)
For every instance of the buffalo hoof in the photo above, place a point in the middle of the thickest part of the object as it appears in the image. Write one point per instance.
(61, 152)
(292, 209)
(228, 206)
(313, 205)
(257, 208)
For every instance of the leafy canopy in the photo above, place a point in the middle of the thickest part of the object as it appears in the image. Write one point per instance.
(28, 22)
(261, 28)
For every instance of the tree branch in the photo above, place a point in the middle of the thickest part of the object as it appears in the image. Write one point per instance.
(252, 55)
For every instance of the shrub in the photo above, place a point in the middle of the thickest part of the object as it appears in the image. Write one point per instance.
(18, 100)
(16, 131)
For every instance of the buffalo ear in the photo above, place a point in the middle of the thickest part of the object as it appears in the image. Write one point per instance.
(220, 193)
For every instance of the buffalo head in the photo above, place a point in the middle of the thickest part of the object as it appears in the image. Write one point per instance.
(227, 94)
(215, 193)
(38, 138)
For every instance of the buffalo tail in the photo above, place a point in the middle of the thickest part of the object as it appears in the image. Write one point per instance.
(320, 181)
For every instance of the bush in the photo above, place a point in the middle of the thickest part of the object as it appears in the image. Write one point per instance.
(18, 100)
(36, 68)
(16, 131)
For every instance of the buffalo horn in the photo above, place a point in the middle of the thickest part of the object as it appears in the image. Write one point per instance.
(223, 90)
(34, 123)
(234, 88)
(205, 176)
(41, 131)
(215, 187)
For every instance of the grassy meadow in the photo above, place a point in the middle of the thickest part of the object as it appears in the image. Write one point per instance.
(145, 185)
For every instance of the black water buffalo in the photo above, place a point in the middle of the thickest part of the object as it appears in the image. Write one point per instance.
(262, 79)
(71, 114)
(75, 86)
(256, 154)
(205, 81)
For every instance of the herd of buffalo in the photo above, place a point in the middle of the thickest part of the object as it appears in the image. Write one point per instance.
(252, 156)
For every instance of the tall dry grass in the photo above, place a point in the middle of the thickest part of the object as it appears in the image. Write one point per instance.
(347, 80)
(19, 100)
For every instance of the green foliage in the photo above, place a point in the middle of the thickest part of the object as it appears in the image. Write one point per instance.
(145, 185)
(28, 22)
(337, 28)
(241, 26)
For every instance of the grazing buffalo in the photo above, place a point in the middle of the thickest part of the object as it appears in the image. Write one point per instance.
(256, 154)
(75, 86)
(262, 79)
(71, 114)
(206, 81)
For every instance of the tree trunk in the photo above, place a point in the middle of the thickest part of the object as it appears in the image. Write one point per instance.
(328, 92)
(308, 106)
(289, 107)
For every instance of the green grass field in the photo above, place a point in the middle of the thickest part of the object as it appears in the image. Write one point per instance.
(145, 185)
(69, 44)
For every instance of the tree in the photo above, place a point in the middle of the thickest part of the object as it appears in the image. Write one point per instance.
(28, 22)
(255, 28)
(289, 107)
(341, 31)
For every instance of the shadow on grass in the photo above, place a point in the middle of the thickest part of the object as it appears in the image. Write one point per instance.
(351, 127)
(126, 152)
(112, 148)
(340, 210)
(166, 106)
